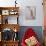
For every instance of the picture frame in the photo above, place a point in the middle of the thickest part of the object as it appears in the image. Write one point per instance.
(5, 12)
(30, 12)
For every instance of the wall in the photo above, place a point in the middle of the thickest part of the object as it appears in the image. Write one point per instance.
(39, 13)
(23, 3)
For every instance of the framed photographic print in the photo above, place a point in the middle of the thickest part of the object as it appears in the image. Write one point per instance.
(30, 12)
(5, 12)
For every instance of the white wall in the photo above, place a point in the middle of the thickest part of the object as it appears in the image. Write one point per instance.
(22, 4)
(39, 13)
